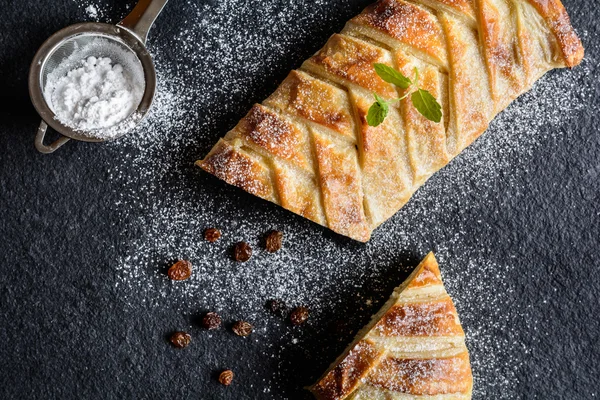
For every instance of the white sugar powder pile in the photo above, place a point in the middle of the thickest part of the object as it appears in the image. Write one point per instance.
(97, 94)
(94, 96)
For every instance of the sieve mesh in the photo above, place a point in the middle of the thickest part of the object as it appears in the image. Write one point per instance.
(67, 50)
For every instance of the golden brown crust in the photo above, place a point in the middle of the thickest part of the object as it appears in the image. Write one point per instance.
(470, 88)
(348, 374)
(238, 169)
(428, 275)
(387, 177)
(309, 148)
(312, 99)
(435, 318)
(426, 140)
(341, 188)
(435, 376)
(269, 131)
(501, 50)
(408, 23)
(461, 6)
(557, 18)
(423, 355)
(353, 60)
(298, 193)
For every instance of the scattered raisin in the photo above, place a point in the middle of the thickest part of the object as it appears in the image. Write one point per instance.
(273, 241)
(242, 252)
(180, 339)
(211, 321)
(299, 315)
(226, 377)
(277, 307)
(242, 328)
(212, 235)
(180, 271)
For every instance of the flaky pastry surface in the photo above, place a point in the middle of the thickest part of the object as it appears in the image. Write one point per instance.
(414, 348)
(308, 146)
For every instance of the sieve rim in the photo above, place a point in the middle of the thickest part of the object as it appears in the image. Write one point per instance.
(111, 32)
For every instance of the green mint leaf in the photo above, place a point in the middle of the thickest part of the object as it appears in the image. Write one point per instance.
(392, 76)
(427, 105)
(377, 112)
(380, 100)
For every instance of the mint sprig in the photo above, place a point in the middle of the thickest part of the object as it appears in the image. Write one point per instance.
(378, 111)
(427, 105)
(422, 99)
(392, 76)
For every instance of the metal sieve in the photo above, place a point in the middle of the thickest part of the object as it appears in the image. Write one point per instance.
(129, 35)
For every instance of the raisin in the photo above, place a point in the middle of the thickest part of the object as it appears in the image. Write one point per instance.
(180, 339)
(299, 315)
(212, 235)
(226, 377)
(180, 271)
(273, 241)
(277, 307)
(242, 252)
(211, 321)
(242, 328)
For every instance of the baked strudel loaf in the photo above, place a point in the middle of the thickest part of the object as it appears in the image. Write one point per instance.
(414, 348)
(309, 148)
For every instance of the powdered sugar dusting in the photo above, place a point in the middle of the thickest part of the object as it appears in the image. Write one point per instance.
(99, 10)
(92, 11)
(169, 201)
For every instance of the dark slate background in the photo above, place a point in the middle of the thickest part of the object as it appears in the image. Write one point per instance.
(65, 331)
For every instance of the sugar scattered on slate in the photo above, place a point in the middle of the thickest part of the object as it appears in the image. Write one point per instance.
(198, 93)
(92, 11)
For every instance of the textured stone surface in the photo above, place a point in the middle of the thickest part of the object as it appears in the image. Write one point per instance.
(66, 331)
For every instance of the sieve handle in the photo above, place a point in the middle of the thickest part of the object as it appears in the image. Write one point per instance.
(39, 140)
(141, 18)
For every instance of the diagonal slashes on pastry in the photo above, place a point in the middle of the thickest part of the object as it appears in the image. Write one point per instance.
(413, 348)
(308, 146)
